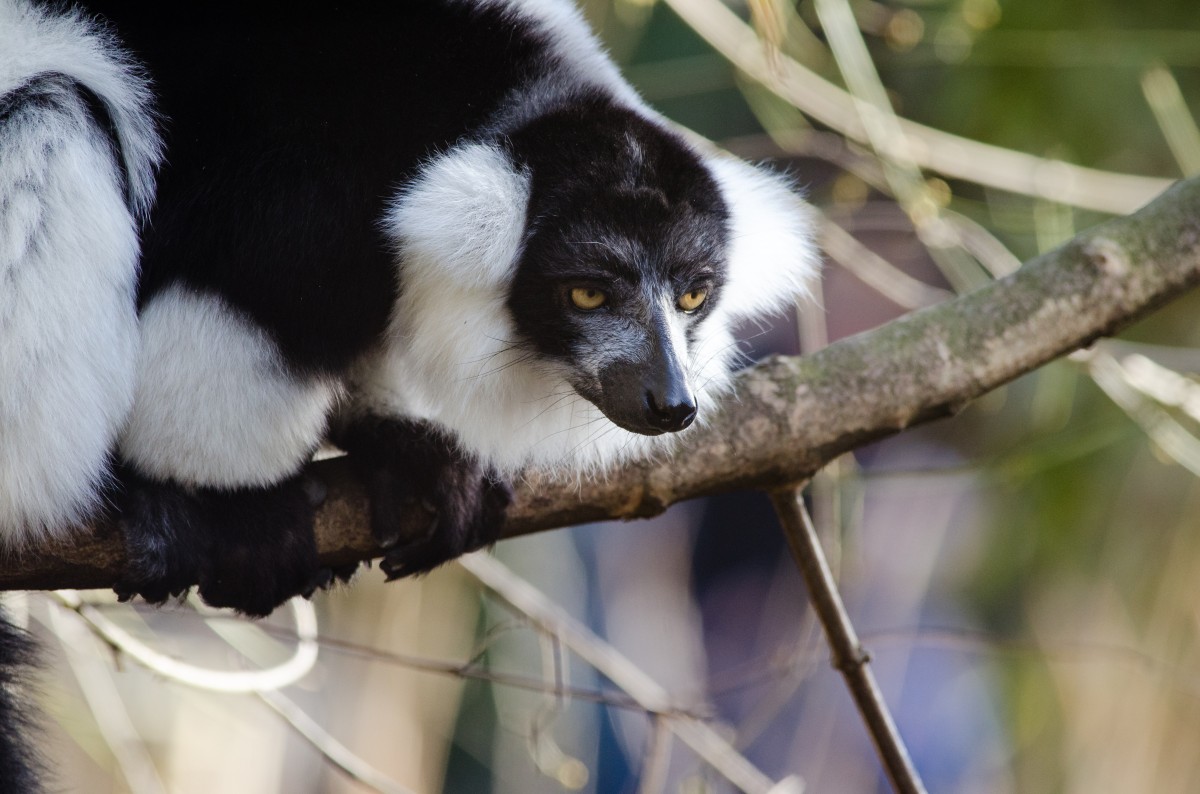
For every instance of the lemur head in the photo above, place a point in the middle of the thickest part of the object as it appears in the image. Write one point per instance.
(570, 287)
(624, 257)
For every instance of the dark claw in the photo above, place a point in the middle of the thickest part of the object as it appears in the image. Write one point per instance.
(387, 537)
(326, 578)
(321, 581)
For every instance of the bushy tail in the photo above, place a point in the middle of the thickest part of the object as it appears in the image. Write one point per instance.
(20, 765)
(78, 152)
(77, 155)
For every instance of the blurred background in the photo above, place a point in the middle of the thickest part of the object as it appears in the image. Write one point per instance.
(1026, 576)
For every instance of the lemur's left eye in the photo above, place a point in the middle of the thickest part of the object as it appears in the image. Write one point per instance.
(587, 298)
(690, 301)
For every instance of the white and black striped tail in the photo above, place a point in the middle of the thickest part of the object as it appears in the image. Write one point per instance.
(78, 150)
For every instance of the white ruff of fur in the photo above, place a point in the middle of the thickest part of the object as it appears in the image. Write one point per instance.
(773, 258)
(68, 326)
(214, 406)
(68, 263)
(450, 356)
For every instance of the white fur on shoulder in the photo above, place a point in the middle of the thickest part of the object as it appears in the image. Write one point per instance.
(773, 258)
(461, 219)
(68, 326)
(215, 405)
(34, 41)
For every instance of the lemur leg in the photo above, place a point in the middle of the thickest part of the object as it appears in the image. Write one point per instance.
(215, 447)
(414, 468)
(162, 528)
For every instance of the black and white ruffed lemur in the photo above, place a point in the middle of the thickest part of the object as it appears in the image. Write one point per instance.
(444, 234)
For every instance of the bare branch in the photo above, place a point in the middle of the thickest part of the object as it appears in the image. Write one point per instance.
(932, 149)
(793, 415)
(849, 657)
(650, 695)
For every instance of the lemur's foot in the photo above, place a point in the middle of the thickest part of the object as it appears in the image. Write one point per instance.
(430, 501)
(161, 525)
(249, 549)
(262, 549)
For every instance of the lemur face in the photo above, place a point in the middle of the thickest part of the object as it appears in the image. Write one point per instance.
(623, 262)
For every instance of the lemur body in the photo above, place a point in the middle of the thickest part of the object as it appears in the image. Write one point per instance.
(444, 232)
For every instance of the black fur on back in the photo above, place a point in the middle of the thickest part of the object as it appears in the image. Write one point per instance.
(19, 764)
(288, 129)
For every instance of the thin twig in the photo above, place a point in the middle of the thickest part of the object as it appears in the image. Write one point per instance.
(330, 748)
(1174, 119)
(657, 760)
(887, 139)
(277, 676)
(104, 700)
(265, 683)
(550, 617)
(876, 272)
(1171, 437)
(930, 148)
(847, 652)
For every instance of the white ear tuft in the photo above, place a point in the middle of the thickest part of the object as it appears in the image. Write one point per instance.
(773, 257)
(461, 219)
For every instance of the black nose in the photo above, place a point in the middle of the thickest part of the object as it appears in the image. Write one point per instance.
(671, 412)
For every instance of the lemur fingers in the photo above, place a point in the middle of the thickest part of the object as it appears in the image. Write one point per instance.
(430, 501)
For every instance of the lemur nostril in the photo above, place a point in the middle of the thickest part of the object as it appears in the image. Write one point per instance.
(670, 414)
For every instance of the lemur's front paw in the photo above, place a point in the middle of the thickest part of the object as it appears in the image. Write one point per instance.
(466, 517)
(430, 501)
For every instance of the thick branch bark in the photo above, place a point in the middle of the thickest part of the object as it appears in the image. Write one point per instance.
(794, 415)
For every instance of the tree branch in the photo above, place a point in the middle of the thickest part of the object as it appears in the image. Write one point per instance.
(849, 656)
(793, 415)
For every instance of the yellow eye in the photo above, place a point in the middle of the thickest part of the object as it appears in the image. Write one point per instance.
(587, 298)
(690, 301)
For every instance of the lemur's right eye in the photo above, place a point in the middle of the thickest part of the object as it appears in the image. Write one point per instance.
(587, 298)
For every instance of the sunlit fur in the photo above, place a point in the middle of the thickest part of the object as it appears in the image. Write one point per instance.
(213, 407)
